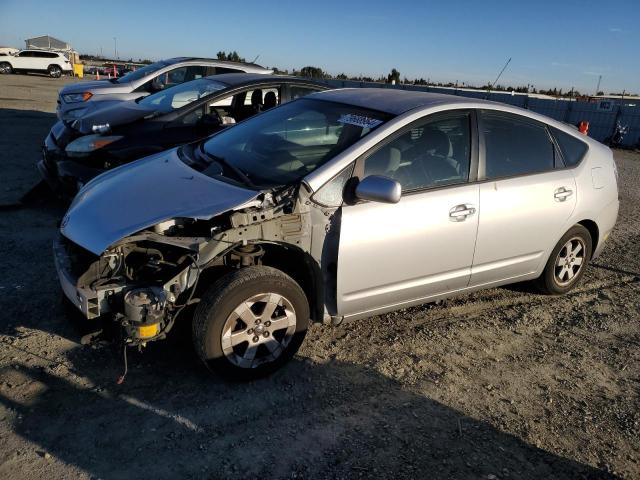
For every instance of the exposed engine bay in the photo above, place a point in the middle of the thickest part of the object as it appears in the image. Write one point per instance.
(144, 281)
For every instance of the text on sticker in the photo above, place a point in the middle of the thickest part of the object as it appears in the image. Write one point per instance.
(359, 120)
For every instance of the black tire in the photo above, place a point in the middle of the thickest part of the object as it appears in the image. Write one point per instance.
(5, 67)
(54, 71)
(218, 307)
(549, 282)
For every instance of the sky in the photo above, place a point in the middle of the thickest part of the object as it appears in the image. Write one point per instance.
(563, 43)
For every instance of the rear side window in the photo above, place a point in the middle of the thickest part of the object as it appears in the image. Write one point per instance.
(573, 150)
(221, 70)
(515, 146)
(296, 91)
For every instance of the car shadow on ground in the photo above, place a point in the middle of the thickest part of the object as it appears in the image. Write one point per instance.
(172, 419)
(23, 133)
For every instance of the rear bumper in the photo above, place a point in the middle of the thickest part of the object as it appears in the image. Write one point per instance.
(606, 221)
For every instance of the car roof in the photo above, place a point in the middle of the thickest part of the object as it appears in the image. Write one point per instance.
(392, 100)
(171, 61)
(235, 79)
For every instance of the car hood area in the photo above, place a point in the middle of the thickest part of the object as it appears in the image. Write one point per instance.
(112, 112)
(92, 86)
(139, 195)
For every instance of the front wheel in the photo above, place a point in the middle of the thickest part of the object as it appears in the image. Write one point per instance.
(55, 71)
(567, 262)
(250, 322)
(5, 68)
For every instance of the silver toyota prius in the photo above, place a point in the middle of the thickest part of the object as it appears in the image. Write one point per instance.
(340, 205)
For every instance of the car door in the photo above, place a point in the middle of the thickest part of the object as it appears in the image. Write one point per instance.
(23, 60)
(526, 198)
(394, 254)
(41, 60)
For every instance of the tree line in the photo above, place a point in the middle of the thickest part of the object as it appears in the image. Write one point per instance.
(394, 77)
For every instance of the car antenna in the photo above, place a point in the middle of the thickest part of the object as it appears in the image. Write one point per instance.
(497, 78)
(256, 59)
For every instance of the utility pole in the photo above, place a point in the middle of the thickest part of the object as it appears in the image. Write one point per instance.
(115, 47)
(598, 87)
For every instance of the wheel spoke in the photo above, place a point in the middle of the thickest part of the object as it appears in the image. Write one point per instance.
(570, 272)
(231, 339)
(272, 345)
(239, 337)
(245, 313)
(250, 352)
(577, 261)
(577, 249)
(563, 273)
(285, 321)
(270, 306)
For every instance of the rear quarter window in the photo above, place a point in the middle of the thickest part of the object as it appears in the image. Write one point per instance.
(572, 149)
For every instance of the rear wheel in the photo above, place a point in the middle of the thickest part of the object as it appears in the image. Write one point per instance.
(54, 71)
(5, 67)
(567, 262)
(250, 322)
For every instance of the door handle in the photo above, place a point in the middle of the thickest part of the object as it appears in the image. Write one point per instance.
(460, 213)
(562, 193)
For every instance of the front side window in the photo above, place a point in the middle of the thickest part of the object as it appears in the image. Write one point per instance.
(170, 99)
(26, 54)
(432, 153)
(283, 145)
(572, 149)
(515, 146)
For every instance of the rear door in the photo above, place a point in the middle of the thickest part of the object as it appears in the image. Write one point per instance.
(525, 201)
(392, 254)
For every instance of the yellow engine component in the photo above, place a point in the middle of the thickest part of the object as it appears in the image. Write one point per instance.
(148, 331)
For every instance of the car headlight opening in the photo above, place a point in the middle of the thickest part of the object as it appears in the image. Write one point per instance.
(83, 146)
(77, 97)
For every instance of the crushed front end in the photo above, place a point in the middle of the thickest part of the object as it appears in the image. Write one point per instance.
(141, 284)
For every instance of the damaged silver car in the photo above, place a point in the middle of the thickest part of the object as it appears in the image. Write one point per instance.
(340, 205)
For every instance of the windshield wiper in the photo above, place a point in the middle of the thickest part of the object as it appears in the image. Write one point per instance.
(239, 173)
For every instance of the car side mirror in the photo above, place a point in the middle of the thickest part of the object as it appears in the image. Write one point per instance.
(157, 85)
(209, 119)
(377, 188)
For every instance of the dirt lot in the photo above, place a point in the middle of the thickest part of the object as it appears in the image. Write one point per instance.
(502, 384)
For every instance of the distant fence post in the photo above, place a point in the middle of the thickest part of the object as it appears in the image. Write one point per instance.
(567, 111)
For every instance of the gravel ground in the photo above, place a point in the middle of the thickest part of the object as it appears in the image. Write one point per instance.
(501, 384)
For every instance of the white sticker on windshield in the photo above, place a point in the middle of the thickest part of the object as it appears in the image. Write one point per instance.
(359, 120)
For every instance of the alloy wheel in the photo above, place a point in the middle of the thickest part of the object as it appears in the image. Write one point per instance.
(569, 261)
(258, 330)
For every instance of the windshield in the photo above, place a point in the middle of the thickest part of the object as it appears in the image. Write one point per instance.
(172, 98)
(141, 72)
(283, 145)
